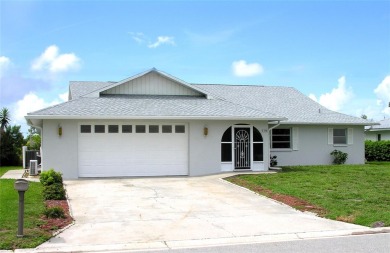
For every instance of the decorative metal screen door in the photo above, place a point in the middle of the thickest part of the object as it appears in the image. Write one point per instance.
(242, 148)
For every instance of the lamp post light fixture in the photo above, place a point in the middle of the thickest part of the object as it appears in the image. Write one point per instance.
(21, 185)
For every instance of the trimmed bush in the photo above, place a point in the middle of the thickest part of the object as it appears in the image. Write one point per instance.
(339, 157)
(54, 192)
(50, 177)
(54, 212)
(377, 150)
(53, 189)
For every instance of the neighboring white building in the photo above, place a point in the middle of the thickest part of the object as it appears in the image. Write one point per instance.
(379, 132)
(154, 124)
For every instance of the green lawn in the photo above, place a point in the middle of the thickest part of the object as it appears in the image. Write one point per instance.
(34, 206)
(4, 169)
(358, 194)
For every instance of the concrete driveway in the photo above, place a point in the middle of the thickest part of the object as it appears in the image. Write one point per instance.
(139, 213)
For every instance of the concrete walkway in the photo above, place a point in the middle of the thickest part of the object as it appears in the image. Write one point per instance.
(13, 174)
(179, 212)
(17, 174)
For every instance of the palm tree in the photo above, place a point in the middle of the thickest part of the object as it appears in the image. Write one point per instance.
(4, 118)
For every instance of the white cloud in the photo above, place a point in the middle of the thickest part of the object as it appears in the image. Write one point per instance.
(337, 98)
(5, 63)
(30, 103)
(138, 37)
(383, 94)
(64, 96)
(162, 40)
(54, 62)
(243, 69)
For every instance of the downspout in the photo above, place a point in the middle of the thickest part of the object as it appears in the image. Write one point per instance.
(270, 141)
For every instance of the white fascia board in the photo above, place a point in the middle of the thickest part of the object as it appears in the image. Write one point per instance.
(328, 123)
(41, 117)
(377, 129)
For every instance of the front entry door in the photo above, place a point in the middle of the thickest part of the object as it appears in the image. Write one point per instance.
(242, 148)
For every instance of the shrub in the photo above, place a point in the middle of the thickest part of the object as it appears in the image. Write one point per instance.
(377, 150)
(54, 192)
(273, 161)
(339, 157)
(50, 177)
(54, 212)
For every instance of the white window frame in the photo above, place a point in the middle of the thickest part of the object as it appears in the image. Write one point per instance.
(348, 133)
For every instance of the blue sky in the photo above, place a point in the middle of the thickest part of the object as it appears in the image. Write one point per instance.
(336, 52)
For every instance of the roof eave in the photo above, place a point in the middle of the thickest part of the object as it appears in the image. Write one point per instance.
(42, 117)
(327, 123)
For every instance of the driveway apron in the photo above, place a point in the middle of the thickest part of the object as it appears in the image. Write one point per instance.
(159, 211)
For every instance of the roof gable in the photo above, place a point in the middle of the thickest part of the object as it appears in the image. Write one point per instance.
(152, 82)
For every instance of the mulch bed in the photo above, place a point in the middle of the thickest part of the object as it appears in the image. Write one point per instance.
(52, 225)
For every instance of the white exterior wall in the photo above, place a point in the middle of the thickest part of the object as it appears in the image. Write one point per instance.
(313, 147)
(60, 152)
(152, 84)
(373, 135)
(205, 151)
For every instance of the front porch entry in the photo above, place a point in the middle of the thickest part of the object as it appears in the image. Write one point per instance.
(242, 149)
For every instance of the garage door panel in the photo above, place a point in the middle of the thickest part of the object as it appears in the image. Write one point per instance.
(133, 154)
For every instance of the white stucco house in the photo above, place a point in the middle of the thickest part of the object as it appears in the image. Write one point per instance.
(380, 132)
(154, 124)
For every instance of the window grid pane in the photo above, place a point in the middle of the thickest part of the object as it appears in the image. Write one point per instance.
(180, 129)
(153, 129)
(113, 128)
(140, 129)
(85, 129)
(167, 129)
(281, 138)
(127, 128)
(100, 129)
(339, 136)
(226, 152)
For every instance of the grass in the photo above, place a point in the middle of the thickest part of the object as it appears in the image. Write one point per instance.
(352, 193)
(34, 207)
(4, 169)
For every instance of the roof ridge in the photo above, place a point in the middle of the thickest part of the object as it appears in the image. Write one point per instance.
(241, 85)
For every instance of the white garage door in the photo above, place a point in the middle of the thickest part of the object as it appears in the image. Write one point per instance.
(115, 150)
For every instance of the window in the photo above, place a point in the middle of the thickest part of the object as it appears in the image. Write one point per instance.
(167, 129)
(100, 129)
(140, 129)
(226, 146)
(180, 129)
(127, 129)
(339, 136)
(257, 146)
(85, 129)
(379, 137)
(281, 138)
(113, 128)
(153, 128)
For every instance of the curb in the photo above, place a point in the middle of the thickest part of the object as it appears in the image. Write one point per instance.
(171, 245)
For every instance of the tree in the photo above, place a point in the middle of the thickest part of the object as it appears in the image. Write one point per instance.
(5, 118)
(11, 146)
(363, 116)
(33, 142)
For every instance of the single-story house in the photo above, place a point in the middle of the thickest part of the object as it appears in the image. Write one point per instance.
(379, 132)
(154, 124)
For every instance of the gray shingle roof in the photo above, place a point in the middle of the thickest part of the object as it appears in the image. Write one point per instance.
(285, 101)
(152, 106)
(80, 88)
(383, 125)
(229, 101)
